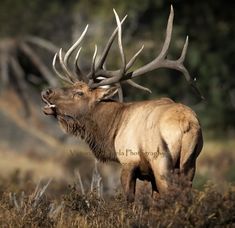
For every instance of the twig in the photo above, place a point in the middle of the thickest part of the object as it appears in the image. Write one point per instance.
(77, 174)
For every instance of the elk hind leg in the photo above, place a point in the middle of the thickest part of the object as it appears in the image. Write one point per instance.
(191, 147)
(162, 169)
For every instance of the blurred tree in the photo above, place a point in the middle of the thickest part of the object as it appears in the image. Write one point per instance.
(48, 19)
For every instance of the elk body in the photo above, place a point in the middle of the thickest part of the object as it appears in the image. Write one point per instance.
(149, 138)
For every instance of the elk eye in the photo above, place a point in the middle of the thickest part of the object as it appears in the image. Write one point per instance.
(78, 94)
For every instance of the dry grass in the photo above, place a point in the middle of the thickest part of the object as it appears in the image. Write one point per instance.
(181, 207)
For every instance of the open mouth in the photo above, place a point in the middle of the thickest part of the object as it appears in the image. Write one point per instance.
(48, 109)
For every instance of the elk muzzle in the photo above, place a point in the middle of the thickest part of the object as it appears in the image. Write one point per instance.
(49, 108)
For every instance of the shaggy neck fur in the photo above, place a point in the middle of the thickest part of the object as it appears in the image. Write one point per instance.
(98, 128)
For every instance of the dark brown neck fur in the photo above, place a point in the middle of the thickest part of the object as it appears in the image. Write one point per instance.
(98, 128)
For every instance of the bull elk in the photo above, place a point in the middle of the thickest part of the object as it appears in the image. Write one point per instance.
(150, 139)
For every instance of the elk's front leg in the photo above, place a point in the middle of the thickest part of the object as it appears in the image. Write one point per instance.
(128, 181)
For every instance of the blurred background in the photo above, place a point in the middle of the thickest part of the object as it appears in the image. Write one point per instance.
(32, 147)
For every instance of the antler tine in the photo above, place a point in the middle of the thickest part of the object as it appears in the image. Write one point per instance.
(77, 55)
(167, 42)
(107, 47)
(158, 61)
(132, 83)
(184, 51)
(120, 91)
(189, 79)
(137, 86)
(132, 60)
(92, 71)
(78, 71)
(75, 45)
(123, 68)
(57, 72)
(112, 77)
(64, 67)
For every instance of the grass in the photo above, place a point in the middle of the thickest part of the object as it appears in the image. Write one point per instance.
(40, 207)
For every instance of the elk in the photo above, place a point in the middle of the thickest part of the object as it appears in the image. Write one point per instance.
(150, 139)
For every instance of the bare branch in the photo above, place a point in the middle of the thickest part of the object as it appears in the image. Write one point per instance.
(20, 84)
(77, 173)
(38, 63)
(4, 66)
(42, 43)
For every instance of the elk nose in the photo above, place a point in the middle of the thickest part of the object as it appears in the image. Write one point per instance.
(46, 93)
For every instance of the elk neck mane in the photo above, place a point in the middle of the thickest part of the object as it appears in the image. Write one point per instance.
(97, 128)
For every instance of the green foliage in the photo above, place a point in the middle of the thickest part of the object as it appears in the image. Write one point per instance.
(37, 17)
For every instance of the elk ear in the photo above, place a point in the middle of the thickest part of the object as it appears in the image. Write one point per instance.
(105, 94)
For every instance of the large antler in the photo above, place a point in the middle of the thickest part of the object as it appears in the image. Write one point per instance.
(160, 61)
(99, 76)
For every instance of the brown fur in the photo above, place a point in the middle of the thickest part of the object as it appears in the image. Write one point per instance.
(149, 138)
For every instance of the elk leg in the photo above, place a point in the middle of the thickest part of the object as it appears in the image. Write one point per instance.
(155, 191)
(191, 148)
(128, 181)
(154, 186)
(188, 171)
(162, 169)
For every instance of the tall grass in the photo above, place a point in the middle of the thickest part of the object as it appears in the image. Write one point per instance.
(41, 206)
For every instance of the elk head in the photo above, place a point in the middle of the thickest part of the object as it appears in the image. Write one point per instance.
(74, 101)
(86, 90)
